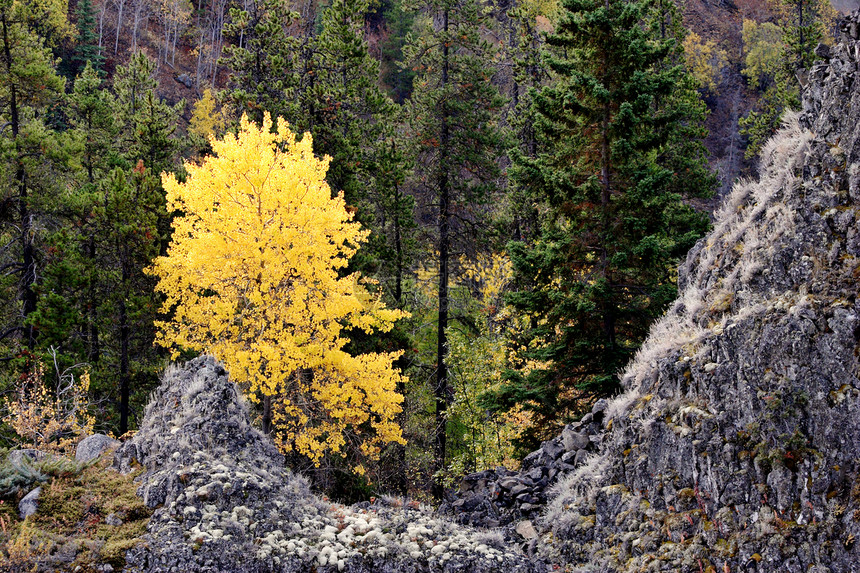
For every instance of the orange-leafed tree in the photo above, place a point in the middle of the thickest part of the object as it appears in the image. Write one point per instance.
(254, 276)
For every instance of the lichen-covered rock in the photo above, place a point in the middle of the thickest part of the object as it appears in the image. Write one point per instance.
(736, 445)
(94, 446)
(225, 502)
(29, 504)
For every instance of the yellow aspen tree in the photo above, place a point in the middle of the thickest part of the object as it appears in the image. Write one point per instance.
(206, 120)
(253, 276)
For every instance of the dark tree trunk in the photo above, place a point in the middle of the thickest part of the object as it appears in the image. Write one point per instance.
(441, 390)
(124, 375)
(28, 262)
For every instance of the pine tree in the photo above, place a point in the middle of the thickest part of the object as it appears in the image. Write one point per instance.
(353, 112)
(454, 113)
(265, 74)
(131, 226)
(529, 76)
(30, 154)
(87, 49)
(146, 123)
(610, 131)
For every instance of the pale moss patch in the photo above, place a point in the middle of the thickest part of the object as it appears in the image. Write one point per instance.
(69, 532)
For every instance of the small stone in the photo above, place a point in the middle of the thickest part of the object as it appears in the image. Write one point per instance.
(30, 503)
(535, 474)
(185, 80)
(113, 520)
(573, 440)
(553, 449)
(509, 483)
(518, 489)
(526, 530)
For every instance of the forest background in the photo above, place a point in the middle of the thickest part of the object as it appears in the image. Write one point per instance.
(528, 174)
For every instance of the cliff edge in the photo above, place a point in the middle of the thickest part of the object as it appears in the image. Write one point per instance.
(736, 445)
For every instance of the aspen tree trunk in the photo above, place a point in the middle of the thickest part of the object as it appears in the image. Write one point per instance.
(102, 25)
(120, 7)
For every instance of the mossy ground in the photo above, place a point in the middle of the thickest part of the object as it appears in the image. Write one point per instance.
(69, 531)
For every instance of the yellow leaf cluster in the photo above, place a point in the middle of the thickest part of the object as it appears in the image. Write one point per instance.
(763, 50)
(252, 276)
(50, 419)
(705, 60)
(491, 273)
(206, 121)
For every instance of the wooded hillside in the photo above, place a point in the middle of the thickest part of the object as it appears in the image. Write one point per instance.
(525, 174)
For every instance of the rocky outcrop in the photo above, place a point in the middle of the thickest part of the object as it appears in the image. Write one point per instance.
(225, 502)
(502, 497)
(736, 445)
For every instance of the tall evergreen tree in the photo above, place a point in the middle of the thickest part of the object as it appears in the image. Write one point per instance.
(30, 155)
(608, 168)
(147, 124)
(263, 59)
(524, 50)
(87, 49)
(454, 116)
(353, 112)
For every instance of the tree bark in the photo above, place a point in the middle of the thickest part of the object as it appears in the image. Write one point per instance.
(28, 262)
(441, 391)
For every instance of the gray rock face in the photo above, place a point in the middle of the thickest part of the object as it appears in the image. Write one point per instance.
(736, 445)
(92, 447)
(29, 503)
(225, 503)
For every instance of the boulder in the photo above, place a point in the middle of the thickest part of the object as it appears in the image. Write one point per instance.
(29, 503)
(92, 447)
(26, 455)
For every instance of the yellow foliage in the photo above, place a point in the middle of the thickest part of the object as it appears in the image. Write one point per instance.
(491, 273)
(705, 60)
(763, 49)
(252, 277)
(206, 121)
(50, 419)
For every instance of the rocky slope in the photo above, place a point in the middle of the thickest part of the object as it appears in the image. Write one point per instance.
(225, 503)
(736, 445)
